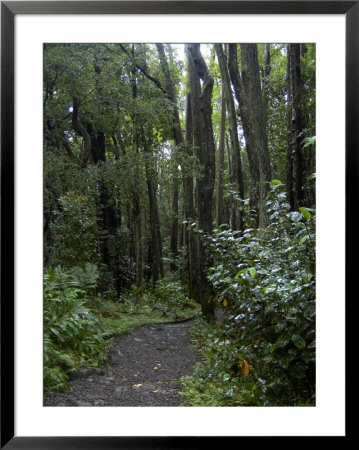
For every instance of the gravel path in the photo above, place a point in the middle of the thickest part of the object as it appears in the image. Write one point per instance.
(143, 369)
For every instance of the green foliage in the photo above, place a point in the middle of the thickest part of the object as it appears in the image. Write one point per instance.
(85, 277)
(122, 317)
(266, 279)
(75, 231)
(171, 294)
(308, 141)
(275, 97)
(215, 382)
(167, 296)
(55, 379)
(72, 332)
(138, 307)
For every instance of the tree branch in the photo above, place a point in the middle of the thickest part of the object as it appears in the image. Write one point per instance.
(147, 75)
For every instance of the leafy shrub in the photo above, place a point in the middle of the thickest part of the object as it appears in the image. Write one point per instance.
(267, 277)
(85, 277)
(74, 231)
(170, 293)
(216, 381)
(167, 296)
(72, 333)
(133, 299)
(265, 282)
(55, 377)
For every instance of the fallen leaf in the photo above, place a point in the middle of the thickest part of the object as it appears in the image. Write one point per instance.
(155, 368)
(137, 385)
(245, 368)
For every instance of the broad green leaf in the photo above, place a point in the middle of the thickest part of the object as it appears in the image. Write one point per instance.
(252, 272)
(275, 183)
(305, 213)
(306, 142)
(299, 341)
(303, 239)
(284, 361)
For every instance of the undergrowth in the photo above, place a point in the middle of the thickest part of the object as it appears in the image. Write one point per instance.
(217, 381)
(79, 325)
(73, 335)
(263, 354)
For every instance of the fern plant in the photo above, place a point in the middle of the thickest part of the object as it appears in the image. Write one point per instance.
(85, 277)
(72, 332)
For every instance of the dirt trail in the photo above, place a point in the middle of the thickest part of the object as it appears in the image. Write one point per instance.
(143, 369)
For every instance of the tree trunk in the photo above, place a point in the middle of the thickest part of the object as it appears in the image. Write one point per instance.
(204, 142)
(136, 210)
(244, 113)
(138, 244)
(179, 140)
(257, 131)
(98, 147)
(248, 93)
(81, 129)
(236, 174)
(156, 244)
(221, 144)
(294, 156)
(267, 71)
(190, 213)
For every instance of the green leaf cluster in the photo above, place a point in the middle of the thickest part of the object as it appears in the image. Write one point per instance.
(75, 231)
(267, 279)
(72, 332)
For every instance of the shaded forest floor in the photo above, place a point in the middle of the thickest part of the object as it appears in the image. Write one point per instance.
(143, 369)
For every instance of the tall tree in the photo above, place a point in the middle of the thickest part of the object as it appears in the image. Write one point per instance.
(151, 177)
(295, 129)
(80, 128)
(266, 74)
(179, 141)
(236, 173)
(189, 207)
(137, 213)
(220, 165)
(203, 140)
(248, 93)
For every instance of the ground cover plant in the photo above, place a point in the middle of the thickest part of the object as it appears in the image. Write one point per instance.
(72, 332)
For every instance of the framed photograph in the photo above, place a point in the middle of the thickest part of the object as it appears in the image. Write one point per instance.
(94, 170)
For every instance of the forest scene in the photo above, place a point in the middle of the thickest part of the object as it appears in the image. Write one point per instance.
(179, 224)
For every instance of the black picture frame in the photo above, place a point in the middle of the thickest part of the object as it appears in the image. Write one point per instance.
(9, 9)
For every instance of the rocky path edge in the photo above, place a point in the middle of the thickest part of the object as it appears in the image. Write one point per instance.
(143, 369)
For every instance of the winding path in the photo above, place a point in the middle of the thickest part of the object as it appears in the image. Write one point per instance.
(143, 369)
